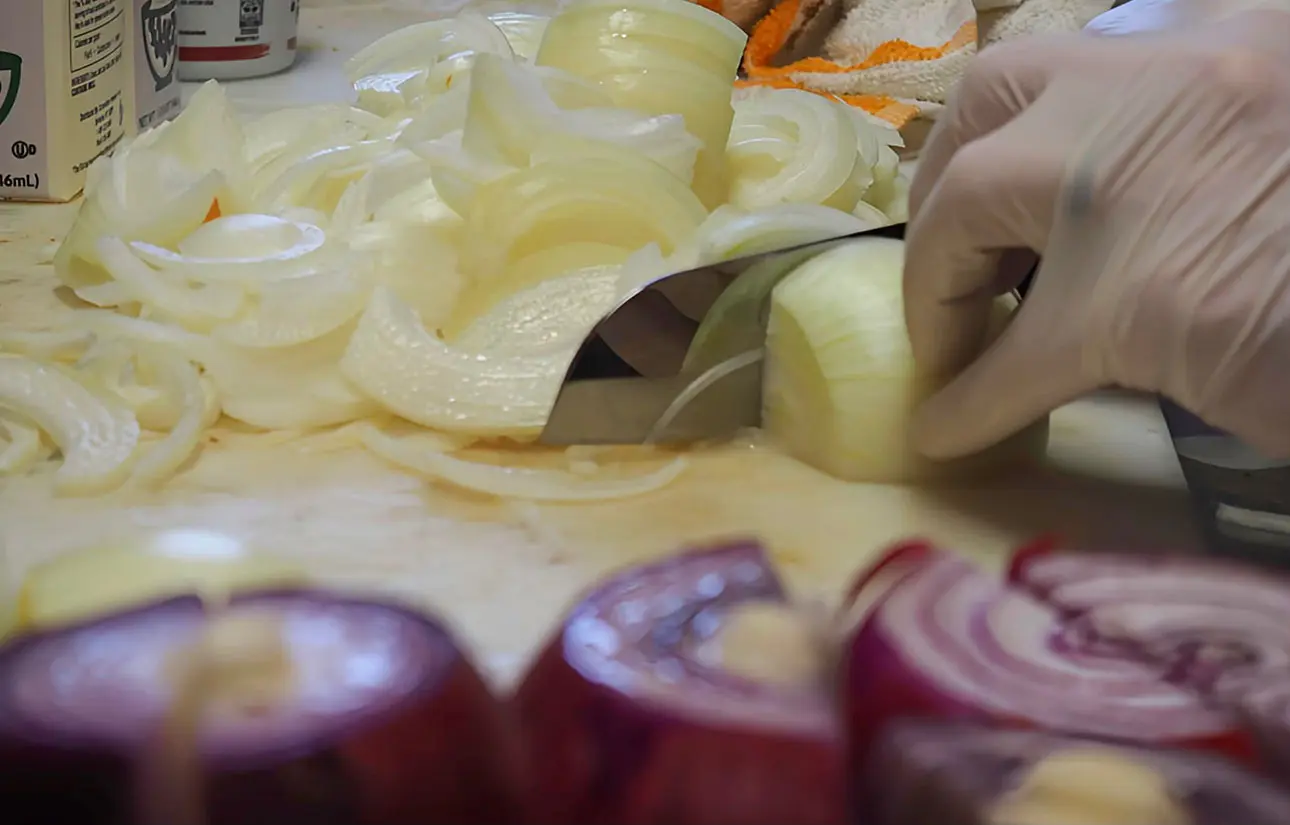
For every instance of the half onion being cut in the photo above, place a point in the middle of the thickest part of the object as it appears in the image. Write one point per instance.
(642, 709)
(962, 774)
(946, 640)
(289, 707)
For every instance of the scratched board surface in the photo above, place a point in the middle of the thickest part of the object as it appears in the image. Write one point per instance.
(502, 572)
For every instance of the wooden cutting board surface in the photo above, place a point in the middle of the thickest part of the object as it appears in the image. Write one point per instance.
(503, 572)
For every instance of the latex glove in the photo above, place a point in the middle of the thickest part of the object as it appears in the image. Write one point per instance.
(1153, 174)
(1140, 16)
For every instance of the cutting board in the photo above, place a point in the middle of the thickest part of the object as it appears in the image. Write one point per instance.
(502, 572)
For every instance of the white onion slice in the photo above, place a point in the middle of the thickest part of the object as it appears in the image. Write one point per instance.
(112, 366)
(164, 223)
(296, 186)
(510, 113)
(730, 232)
(295, 131)
(824, 149)
(423, 44)
(110, 294)
(97, 437)
(555, 313)
(24, 446)
(410, 372)
(195, 308)
(255, 238)
(456, 174)
(46, 345)
(106, 322)
(299, 310)
(602, 193)
(523, 31)
(286, 388)
(431, 459)
(179, 378)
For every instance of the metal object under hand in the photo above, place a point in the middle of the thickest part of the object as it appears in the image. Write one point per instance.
(686, 388)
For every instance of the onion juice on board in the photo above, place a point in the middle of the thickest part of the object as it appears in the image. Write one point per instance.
(236, 39)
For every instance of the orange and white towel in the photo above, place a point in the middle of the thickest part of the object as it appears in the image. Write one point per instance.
(898, 59)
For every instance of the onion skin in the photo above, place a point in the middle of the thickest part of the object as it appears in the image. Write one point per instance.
(950, 774)
(431, 749)
(946, 641)
(609, 745)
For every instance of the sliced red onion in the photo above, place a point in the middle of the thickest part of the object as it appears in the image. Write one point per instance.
(377, 719)
(1265, 708)
(1213, 626)
(947, 640)
(624, 725)
(955, 774)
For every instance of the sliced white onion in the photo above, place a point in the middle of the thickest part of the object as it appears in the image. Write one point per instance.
(523, 31)
(730, 232)
(456, 174)
(790, 146)
(604, 194)
(46, 345)
(430, 458)
(657, 58)
(440, 116)
(298, 184)
(556, 313)
(177, 375)
(108, 323)
(294, 132)
(207, 135)
(111, 367)
(97, 437)
(163, 222)
(286, 388)
(422, 45)
(198, 308)
(110, 294)
(255, 239)
(510, 113)
(408, 371)
(23, 446)
(481, 297)
(299, 310)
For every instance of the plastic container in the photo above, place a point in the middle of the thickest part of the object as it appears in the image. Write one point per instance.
(236, 39)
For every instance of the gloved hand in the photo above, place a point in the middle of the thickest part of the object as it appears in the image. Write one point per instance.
(1153, 175)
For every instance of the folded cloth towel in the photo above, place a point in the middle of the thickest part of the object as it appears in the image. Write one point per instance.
(898, 59)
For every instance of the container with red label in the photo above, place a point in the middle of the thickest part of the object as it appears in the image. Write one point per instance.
(236, 39)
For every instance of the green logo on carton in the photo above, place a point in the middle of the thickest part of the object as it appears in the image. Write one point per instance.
(10, 80)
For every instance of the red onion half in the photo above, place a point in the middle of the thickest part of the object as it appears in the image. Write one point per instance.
(331, 710)
(624, 724)
(1212, 626)
(956, 774)
(944, 639)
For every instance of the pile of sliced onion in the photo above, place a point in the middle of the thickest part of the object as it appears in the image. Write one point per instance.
(667, 58)
(437, 251)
